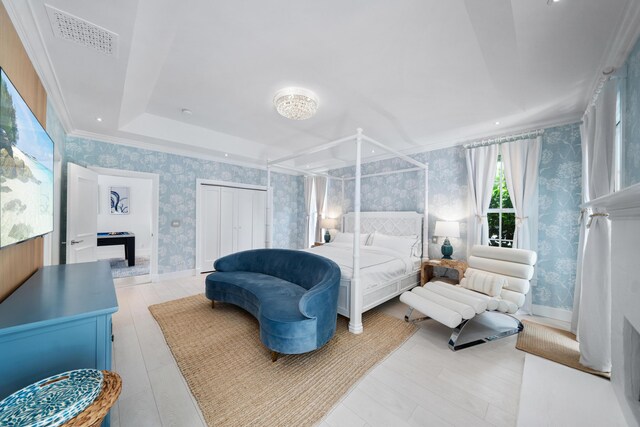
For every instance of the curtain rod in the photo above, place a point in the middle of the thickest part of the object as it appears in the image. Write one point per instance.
(505, 138)
(607, 75)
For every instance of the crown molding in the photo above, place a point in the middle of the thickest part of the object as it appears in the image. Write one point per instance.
(168, 150)
(449, 143)
(619, 47)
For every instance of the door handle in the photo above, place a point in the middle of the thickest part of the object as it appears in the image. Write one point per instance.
(73, 242)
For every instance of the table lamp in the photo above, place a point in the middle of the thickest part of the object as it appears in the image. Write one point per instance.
(447, 229)
(328, 224)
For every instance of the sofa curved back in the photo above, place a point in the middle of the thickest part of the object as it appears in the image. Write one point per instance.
(319, 275)
(302, 268)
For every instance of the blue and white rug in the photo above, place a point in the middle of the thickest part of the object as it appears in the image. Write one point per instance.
(120, 267)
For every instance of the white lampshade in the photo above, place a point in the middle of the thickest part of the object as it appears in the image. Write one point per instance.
(447, 229)
(329, 223)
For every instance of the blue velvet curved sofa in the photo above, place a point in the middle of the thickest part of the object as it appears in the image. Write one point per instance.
(293, 294)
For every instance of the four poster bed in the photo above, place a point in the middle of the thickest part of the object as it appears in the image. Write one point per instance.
(372, 271)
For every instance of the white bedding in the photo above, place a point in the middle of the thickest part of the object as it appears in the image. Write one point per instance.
(377, 264)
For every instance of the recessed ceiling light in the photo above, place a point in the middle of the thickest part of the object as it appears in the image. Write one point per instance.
(99, 119)
(497, 123)
(226, 155)
(551, 2)
(187, 112)
(373, 151)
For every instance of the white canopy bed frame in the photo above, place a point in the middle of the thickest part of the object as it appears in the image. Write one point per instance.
(353, 220)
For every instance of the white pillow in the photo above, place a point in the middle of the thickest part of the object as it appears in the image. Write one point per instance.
(486, 283)
(348, 238)
(407, 246)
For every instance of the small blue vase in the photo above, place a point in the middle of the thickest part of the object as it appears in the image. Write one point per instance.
(447, 249)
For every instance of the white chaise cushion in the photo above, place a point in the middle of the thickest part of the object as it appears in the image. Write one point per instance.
(465, 311)
(520, 256)
(486, 283)
(507, 268)
(515, 284)
(478, 302)
(437, 312)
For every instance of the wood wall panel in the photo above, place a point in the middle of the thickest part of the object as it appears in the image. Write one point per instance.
(19, 262)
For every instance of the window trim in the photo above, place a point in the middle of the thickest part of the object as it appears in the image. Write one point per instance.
(618, 151)
(501, 210)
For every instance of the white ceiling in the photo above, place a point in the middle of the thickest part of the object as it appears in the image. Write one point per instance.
(415, 74)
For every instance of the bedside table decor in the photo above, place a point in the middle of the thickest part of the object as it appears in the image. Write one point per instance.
(328, 224)
(426, 269)
(447, 229)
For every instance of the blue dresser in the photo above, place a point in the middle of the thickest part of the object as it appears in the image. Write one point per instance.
(59, 320)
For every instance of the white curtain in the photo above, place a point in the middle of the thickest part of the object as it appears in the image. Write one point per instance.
(308, 191)
(481, 168)
(594, 317)
(587, 135)
(321, 191)
(521, 161)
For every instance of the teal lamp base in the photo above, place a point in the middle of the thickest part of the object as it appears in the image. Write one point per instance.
(447, 249)
(327, 236)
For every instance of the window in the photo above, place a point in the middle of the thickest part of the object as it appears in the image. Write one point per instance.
(618, 139)
(501, 214)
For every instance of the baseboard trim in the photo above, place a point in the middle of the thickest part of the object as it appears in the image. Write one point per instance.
(552, 312)
(173, 275)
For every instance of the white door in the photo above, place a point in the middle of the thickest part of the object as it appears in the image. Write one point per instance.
(82, 214)
(227, 227)
(210, 214)
(244, 220)
(259, 218)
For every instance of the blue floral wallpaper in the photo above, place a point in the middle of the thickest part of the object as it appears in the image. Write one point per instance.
(632, 119)
(178, 174)
(560, 196)
(560, 173)
(405, 191)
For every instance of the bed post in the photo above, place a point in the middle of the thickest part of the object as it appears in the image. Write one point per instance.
(268, 227)
(343, 210)
(425, 220)
(355, 309)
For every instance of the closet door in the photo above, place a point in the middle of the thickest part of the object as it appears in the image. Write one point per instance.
(244, 218)
(259, 219)
(210, 213)
(227, 221)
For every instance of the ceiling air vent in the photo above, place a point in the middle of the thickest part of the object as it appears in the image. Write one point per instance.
(85, 33)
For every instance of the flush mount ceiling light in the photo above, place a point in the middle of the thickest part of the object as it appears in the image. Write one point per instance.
(296, 103)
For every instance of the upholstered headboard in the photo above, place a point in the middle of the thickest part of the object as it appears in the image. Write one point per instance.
(390, 223)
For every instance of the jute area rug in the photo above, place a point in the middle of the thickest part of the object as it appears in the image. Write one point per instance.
(554, 344)
(231, 375)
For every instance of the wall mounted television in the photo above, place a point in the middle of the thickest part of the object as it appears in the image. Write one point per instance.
(26, 170)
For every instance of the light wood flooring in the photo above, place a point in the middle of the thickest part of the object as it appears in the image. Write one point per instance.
(422, 383)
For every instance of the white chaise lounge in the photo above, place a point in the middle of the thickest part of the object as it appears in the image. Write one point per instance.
(497, 280)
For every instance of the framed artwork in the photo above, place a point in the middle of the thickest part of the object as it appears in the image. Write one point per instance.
(119, 198)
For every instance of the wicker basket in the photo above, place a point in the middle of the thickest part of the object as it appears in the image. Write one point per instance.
(94, 414)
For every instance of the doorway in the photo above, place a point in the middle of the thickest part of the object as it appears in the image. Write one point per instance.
(128, 224)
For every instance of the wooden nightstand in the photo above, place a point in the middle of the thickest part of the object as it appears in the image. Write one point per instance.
(317, 244)
(426, 269)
